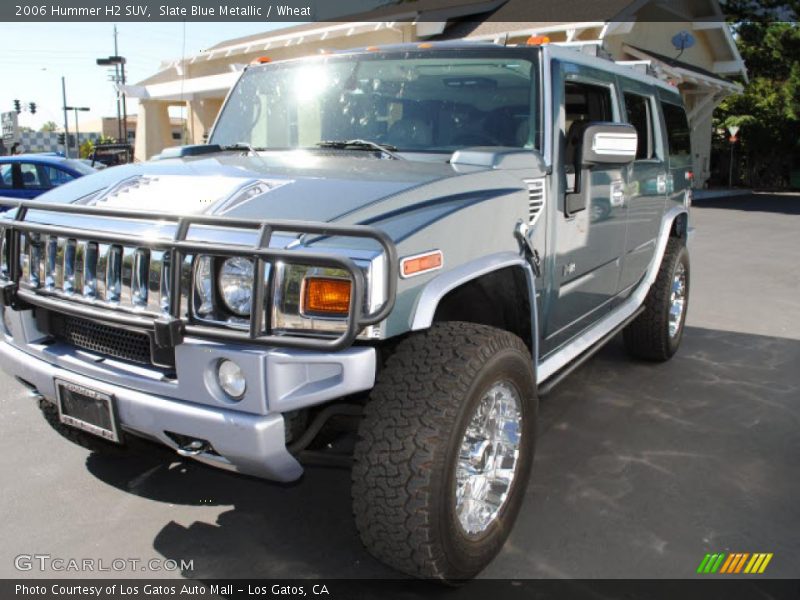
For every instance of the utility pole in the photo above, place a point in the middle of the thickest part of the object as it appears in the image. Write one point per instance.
(66, 119)
(124, 105)
(123, 137)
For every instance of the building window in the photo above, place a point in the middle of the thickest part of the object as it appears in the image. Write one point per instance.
(176, 135)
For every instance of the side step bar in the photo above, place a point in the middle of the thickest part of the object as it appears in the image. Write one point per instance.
(547, 386)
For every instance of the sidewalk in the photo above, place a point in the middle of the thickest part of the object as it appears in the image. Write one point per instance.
(719, 193)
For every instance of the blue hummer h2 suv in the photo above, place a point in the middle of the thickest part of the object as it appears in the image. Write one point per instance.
(379, 259)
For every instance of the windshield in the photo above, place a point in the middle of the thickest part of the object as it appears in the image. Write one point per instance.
(80, 167)
(438, 102)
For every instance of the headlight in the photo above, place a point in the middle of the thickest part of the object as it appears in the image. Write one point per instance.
(236, 285)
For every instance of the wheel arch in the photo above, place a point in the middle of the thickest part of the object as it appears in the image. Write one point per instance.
(680, 226)
(497, 290)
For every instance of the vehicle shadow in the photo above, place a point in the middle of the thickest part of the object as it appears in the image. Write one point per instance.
(785, 203)
(629, 455)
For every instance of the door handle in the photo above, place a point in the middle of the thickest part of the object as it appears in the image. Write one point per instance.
(617, 193)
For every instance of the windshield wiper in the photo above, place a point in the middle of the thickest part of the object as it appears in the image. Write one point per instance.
(242, 146)
(386, 149)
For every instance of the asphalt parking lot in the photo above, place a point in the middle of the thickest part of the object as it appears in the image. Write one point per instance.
(640, 470)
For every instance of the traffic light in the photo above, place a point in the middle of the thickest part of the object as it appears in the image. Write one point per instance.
(17, 106)
(62, 138)
(32, 107)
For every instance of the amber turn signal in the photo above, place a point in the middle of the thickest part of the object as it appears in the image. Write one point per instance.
(537, 40)
(326, 296)
(421, 263)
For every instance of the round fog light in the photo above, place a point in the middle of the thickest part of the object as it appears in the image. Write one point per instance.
(231, 379)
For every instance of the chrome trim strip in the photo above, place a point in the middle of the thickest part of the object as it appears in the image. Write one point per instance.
(140, 277)
(114, 273)
(90, 251)
(126, 294)
(69, 266)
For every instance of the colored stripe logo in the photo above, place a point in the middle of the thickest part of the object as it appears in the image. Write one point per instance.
(735, 563)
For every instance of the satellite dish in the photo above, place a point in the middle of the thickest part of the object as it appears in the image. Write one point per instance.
(683, 40)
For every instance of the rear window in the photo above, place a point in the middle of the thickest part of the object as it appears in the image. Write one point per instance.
(637, 109)
(677, 130)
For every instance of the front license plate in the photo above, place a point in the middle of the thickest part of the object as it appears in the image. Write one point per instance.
(87, 409)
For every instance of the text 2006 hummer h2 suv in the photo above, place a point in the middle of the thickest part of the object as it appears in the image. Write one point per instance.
(415, 241)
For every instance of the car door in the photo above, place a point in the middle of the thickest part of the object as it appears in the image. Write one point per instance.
(647, 182)
(590, 238)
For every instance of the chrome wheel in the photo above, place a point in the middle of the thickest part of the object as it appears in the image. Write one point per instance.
(677, 300)
(488, 458)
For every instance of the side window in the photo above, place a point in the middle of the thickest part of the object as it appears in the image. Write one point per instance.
(6, 177)
(586, 102)
(638, 109)
(583, 102)
(678, 138)
(57, 176)
(31, 178)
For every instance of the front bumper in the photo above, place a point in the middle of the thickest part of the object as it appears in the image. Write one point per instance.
(249, 439)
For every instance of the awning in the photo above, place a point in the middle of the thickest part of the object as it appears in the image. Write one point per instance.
(679, 72)
(181, 90)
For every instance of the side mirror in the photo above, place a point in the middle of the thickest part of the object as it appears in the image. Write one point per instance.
(598, 143)
(608, 144)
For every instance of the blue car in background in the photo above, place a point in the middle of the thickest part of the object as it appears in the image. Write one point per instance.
(26, 176)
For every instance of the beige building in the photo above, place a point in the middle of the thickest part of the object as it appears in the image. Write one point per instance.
(642, 33)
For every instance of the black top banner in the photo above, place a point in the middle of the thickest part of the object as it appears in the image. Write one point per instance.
(506, 11)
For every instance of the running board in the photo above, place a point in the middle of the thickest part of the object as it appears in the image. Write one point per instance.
(547, 386)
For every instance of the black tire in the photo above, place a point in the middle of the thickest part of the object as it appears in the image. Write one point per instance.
(648, 336)
(76, 436)
(407, 452)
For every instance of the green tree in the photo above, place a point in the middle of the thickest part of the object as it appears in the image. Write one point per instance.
(49, 127)
(768, 111)
(87, 147)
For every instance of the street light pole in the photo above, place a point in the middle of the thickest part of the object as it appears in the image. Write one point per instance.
(118, 62)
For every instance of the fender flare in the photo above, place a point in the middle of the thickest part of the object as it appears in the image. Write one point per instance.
(435, 290)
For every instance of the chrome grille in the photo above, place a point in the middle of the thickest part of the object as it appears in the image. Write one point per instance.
(535, 198)
(152, 290)
(110, 275)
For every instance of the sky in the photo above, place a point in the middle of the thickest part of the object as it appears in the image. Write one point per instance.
(34, 57)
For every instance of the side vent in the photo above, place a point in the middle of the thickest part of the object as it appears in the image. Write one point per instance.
(535, 199)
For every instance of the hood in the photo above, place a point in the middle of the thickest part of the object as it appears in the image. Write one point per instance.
(286, 185)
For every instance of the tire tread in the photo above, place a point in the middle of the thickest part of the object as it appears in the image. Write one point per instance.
(403, 436)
